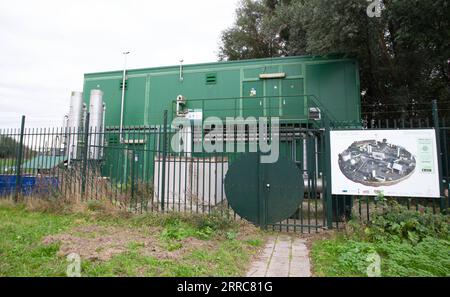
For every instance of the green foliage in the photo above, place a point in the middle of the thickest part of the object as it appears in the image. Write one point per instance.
(95, 205)
(255, 242)
(172, 246)
(9, 148)
(402, 55)
(179, 227)
(252, 35)
(231, 235)
(400, 224)
(180, 231)
(409, 243)
(344, 257)
(215, 221)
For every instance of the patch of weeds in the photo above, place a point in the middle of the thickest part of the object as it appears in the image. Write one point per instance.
(173, 246)
(176, 232)
(216, 221)
(204, 233)
(179, 231)
(256, 242)
(95, 205)
(231, 235)
(135, 245)
(410, 243)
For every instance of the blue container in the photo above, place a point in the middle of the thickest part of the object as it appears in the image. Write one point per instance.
(29, 184)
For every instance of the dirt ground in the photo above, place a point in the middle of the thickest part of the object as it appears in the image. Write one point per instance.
(101, 243)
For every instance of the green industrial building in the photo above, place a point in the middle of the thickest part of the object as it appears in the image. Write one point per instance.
(283, 87)
(301, 91)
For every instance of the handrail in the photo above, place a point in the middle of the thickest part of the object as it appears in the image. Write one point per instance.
(310, 98)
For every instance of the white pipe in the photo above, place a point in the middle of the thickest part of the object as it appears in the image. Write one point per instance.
(123, 95)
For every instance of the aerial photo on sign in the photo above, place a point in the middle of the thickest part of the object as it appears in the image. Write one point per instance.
(388, 162)
(375, 163)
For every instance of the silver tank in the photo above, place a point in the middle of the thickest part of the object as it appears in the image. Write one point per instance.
(96, 124)
(74, 123)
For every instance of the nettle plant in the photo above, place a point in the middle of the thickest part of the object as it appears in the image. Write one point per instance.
(402, 224)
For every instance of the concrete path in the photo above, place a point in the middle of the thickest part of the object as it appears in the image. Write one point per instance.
(282, 256)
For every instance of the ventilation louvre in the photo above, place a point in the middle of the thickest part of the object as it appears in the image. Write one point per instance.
(211, 78)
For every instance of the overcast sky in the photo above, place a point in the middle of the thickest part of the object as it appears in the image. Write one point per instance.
(46, 46)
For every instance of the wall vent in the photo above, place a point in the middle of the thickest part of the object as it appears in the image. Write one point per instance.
(211, 78)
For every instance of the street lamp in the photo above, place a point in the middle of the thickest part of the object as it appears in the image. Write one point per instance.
(123, 94)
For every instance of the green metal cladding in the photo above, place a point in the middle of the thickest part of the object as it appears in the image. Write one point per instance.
(233, 88)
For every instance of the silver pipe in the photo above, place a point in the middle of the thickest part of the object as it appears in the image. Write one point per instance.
(308, 187)
(123, 96)
(181, 70)
(103, 130)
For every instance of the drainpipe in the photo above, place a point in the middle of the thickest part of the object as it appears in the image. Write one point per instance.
(123, 95)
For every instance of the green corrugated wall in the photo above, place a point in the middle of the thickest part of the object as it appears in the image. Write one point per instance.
(334, 81)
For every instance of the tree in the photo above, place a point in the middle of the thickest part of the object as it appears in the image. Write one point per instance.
(252, 35)
(403, 55)
(8, 148)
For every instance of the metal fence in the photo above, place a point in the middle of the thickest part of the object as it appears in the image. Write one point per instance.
(141, 172)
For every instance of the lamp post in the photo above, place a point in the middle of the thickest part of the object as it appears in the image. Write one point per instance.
(123, 94)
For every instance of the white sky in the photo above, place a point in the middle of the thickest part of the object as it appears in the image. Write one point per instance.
(46, 46)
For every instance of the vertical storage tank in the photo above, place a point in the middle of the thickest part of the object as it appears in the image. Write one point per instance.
(74, 123)
(96, 108)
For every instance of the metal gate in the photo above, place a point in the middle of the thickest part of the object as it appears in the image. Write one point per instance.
(285, 195)
(264, 193)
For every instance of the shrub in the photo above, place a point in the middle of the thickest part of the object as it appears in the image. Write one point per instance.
(215, 221)
(402, 224)
(410, 243)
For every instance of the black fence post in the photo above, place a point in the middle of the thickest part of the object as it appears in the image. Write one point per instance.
(262, 192)
(440, 155)
(19, 162)
(132, 169)
(85, 155)
(164, 157)
(327, 176)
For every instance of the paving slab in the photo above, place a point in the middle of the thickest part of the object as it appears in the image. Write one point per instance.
(282, 256)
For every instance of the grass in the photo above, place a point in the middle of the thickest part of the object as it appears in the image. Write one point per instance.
(343, 257)
(220, 247)
(409, 243)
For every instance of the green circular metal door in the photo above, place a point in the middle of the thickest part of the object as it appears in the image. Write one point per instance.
(264, 193)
